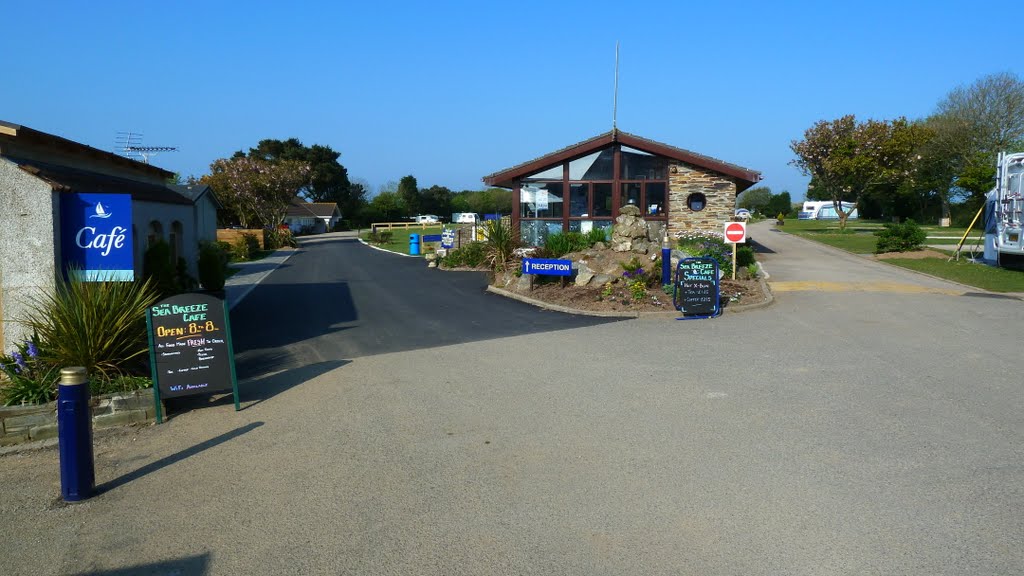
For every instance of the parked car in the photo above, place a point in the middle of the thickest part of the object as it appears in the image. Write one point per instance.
(743, 213)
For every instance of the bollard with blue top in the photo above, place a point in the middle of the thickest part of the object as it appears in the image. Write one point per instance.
(666, 262)
(414, 244)
(74, 431)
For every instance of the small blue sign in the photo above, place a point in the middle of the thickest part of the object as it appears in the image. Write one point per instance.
(547, 267)
(447, 238)
(431, 237)
(96, 236)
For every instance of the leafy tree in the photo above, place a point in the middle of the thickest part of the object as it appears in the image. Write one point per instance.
(779, 204)
(847, 158)
(386, 207)
(972, 124)
(409, 192)
(328, 180)
(755, 199)
(436, 200)
(258, 191)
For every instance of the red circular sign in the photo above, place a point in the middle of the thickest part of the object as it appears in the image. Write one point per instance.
(734, 232)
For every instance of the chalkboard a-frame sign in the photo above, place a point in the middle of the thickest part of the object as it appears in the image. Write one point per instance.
(190, 349)
(697, 293)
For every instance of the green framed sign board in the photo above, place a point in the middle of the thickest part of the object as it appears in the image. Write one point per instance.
(190, 349)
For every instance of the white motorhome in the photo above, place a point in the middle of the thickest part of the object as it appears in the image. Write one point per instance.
(465, 218)
(824, 210)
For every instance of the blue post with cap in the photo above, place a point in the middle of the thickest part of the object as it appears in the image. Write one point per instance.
(74, 432)
(666, 262)
(414, 244)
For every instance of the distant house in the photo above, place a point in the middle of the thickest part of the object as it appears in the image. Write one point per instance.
(311, 217)
(39, 171)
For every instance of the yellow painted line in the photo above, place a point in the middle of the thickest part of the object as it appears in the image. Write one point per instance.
(892, 287)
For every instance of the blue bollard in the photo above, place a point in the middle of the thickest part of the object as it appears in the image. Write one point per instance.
(74, 430)
(666, 266)
(414, 244)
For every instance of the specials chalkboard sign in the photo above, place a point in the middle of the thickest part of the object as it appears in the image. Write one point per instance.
(190, 348)
(696, 291)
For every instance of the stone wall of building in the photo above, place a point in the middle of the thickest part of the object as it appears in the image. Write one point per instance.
(719, 189)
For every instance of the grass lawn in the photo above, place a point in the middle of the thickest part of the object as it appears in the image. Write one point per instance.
(859, 239)
(400, 238)
(965, 272)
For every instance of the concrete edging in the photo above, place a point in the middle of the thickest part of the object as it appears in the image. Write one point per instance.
(769, 299)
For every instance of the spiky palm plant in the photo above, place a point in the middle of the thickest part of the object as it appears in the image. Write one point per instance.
(98, 325)
(501, 244)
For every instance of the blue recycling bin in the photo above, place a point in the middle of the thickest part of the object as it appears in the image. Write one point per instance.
(74, 431)
(414, 244)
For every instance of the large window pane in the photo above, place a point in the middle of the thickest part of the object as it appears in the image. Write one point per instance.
(630, 194)
(553, 173)
(586, 226)
(596, 166)
(637, 165)
(541, 200)
(602, 199)
(655, 199)
(578, 199)
(536, 232)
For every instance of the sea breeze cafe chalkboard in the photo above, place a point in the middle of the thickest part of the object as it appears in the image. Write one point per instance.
(190, 347)
(697, 290)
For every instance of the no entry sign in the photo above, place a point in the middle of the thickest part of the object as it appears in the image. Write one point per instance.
(735, 232)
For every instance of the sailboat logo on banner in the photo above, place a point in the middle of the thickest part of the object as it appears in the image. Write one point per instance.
(100, 212)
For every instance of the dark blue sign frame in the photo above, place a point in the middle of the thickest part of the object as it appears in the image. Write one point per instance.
(548, 267)
(696, 291)
(96, 236)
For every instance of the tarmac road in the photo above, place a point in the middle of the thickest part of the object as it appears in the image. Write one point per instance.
(853, 432)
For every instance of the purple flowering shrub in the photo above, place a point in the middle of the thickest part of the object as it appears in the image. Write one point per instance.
(27, 377)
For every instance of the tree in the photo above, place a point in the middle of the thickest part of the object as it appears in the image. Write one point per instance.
(409, 193)
(436, 200)
(328, 180)
(258, 191)
(755, 199)
(386, 207)
(972, 125)
(847, 158)
(779, 204)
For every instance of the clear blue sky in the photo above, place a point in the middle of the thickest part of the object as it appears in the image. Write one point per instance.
(452, 91)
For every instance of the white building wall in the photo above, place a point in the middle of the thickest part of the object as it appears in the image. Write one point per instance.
(27, 247)
(143, 213)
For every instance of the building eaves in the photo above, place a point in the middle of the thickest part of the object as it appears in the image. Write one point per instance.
(65, 179)
(508, 177)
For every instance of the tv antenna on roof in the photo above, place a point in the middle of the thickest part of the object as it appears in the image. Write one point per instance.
(131, 144)
(615, 92)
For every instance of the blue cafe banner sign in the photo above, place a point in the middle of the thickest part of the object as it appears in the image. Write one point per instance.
(96, 235)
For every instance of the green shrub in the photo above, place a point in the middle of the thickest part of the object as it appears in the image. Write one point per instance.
(158, 267)
(252, 243)
(118, 384)
(239, 251)
(597, 235)
(276, 238)
(213, 266)
(562, 243)
(29, 378)
(472, 255)
(98, 325)
(183, 281)
(900, 237)
(745, 256)
(381, 236)
(707, 245)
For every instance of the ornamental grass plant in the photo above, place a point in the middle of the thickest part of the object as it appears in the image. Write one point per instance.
(98, 325)
(500, 245)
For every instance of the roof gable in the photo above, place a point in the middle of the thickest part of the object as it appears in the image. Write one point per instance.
(507, 178)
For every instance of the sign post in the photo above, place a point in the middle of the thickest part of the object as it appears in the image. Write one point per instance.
(190, 349)
(735, 232)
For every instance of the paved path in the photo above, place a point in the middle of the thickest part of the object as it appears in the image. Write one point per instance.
(860, 433)
(796, 264)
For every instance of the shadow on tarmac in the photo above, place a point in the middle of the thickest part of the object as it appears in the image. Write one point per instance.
(173, 458)
(266, 387)
(196, 565)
